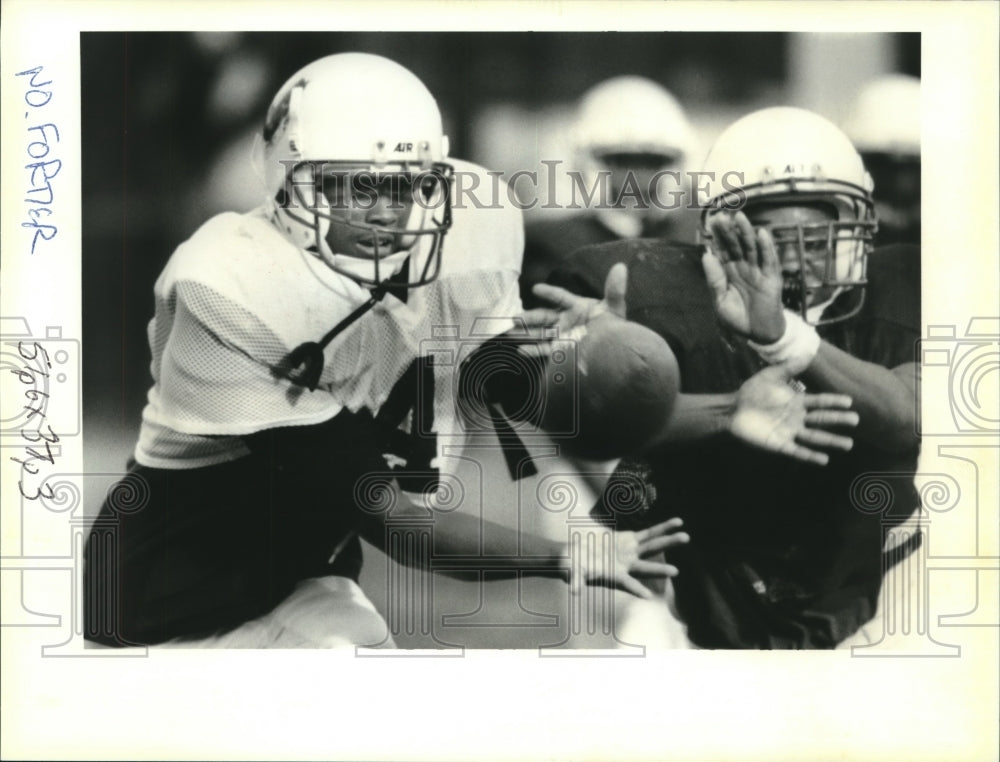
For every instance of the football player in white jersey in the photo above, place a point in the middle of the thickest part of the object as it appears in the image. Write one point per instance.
(278, 337)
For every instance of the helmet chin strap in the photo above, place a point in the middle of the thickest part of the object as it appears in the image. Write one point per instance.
(815, 312)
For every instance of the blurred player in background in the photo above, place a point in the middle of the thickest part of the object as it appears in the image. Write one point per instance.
(631, 143)
(279, 338)
(884, 125)
(791, 297)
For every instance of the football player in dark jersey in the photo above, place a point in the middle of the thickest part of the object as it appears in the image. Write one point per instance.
(782, 552)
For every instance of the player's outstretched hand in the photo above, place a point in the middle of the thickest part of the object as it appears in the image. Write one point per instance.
(744, 275)
(772, 412)
(591, 564)
(570, 313)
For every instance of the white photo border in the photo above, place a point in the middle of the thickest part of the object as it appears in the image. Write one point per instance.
(513, 705)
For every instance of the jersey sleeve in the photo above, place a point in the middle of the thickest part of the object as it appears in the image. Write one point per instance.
(233, 304)
(219, 371)
(550, 243)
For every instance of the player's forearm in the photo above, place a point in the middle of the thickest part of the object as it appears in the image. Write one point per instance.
(884, 399)
(497, 546)
(467, 539)
(697, 416)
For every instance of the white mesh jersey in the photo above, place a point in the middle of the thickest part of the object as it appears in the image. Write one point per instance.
(237, 297)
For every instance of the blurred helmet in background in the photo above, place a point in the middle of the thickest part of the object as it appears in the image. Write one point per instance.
(635, 134)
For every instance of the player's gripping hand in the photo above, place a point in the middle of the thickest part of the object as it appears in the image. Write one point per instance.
(570, 313)
(774, 413)
(601, 556)
(744, 276)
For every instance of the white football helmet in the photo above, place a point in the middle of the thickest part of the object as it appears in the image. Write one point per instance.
(631, 122)
(790, 156)
(350, 124)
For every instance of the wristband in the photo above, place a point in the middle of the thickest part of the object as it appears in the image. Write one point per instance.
(795, 349)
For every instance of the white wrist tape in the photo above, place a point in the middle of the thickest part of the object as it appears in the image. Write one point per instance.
(795, 349)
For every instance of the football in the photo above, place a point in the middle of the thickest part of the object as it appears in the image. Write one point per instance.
(611, 392)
